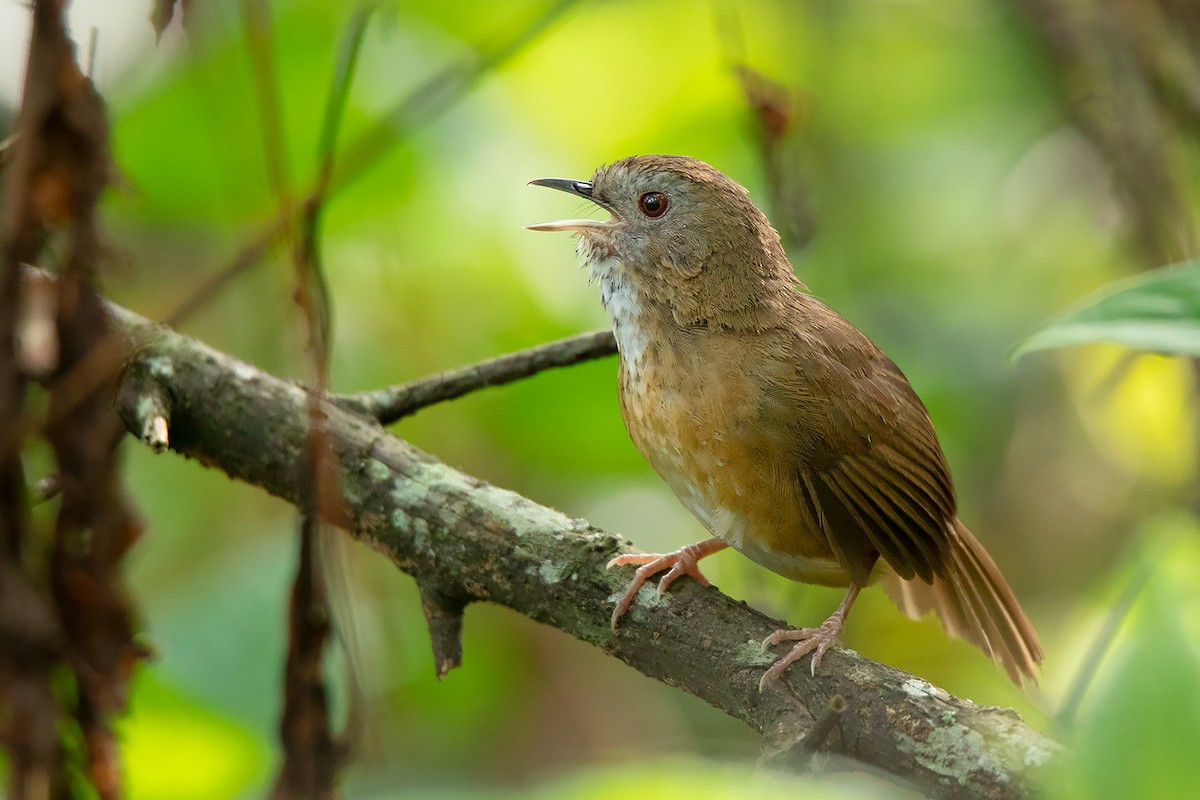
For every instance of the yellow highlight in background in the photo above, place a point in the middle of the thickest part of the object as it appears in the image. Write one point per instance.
(697, 779)
(175, 748)
(1136, 409)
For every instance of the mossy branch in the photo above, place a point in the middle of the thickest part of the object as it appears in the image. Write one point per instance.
(467, 540)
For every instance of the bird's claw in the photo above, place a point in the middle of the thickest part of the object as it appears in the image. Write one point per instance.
(684, 561)
(808, 640)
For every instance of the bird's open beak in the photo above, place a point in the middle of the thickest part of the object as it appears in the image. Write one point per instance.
(579, 189)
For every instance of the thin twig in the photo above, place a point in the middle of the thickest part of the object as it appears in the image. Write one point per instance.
(795, 751)
(312, 289)
(89, 71)
(339, 91)
(256, 20)
(248, 255)
(396, 402)
(311, 757)
(313, 297)
(311, 753)
(822, 727)
(305, 709)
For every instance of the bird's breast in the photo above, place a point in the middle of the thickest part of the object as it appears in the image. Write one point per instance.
(690, 403)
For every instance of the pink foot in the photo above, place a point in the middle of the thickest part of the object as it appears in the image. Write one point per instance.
(682, 562)
(808, 640)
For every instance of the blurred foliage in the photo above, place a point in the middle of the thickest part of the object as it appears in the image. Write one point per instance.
(955, 206)
(1157, 311)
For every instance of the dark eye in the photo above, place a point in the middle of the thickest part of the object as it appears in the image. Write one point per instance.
(653, 204)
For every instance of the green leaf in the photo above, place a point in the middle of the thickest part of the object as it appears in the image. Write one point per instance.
(1157, 311)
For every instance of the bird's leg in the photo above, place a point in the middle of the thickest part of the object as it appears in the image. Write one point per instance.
(682, 562)
(809, 640)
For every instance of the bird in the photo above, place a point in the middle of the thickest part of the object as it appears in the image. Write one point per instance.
(781, 427)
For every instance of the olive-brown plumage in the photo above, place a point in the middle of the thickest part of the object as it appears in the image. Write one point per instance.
(787, 432)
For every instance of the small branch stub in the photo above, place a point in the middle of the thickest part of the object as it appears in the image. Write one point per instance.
(155, 433)
(145, 407)
(444, 615)
(824, 725)
(791, 750)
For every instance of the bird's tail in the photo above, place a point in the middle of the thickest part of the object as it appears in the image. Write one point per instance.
(975, 603)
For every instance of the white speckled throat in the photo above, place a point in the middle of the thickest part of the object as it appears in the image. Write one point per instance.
(624, 307)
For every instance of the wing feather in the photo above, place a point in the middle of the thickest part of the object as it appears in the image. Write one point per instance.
(896, 516)
(873, 475)
(848, 539)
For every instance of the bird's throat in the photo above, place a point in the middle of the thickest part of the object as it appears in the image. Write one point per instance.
(628, 309)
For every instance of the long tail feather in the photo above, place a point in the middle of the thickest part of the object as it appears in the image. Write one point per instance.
(974, 603)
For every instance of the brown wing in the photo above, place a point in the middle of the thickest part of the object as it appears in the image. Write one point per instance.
(872, 476)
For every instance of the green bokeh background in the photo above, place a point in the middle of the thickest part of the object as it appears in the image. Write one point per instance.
(955, 209)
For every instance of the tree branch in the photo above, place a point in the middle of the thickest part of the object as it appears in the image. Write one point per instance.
(397, 402)
(465, 540)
